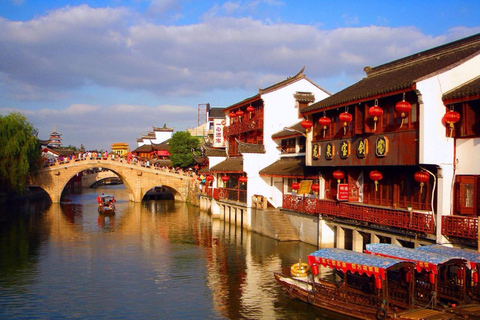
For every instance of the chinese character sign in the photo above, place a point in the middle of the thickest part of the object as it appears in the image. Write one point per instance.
(342, 192)
(218, 140)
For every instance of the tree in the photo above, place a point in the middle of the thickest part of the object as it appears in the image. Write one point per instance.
(183, 148)
(20, 154)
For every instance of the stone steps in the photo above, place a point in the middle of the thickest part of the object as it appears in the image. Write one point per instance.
(283, 229)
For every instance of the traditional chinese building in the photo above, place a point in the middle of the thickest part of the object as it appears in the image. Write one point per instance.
(120, 148)
(397, 151)
(55, 140)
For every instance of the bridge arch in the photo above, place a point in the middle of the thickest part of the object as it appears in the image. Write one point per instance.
(138, 180)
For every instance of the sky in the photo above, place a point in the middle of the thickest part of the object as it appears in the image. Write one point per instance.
(102, 72)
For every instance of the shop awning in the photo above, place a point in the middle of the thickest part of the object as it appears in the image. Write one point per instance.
(356, 262)
(423, 260)
(288, 167)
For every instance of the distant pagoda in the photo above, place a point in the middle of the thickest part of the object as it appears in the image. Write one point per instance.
(55, 138)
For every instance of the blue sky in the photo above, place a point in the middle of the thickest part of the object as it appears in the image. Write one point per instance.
(108, 71)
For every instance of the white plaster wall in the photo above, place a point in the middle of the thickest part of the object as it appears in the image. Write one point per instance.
(468, 156)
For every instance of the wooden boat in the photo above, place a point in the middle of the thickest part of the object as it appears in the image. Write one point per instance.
(370, 288)
(471, 278)
(106, 204)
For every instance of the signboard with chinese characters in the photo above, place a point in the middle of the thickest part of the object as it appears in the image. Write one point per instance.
(342, 192)
(316, 151)
(344, 149)
(218, 140)
(329, 151)
(362, 148)
(381, 146)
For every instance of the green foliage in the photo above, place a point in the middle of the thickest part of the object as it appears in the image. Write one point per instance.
(20, 154)
(183, 148)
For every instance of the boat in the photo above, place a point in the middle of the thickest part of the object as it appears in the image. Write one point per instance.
(106, 204)
(370, 287)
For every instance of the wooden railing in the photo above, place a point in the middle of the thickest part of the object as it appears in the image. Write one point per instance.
(416, 221)
(230, 194)
(460, 226)
(246, 125)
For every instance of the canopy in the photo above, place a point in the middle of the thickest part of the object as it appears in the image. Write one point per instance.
(470, 255)
(428, 261)
(362, 263)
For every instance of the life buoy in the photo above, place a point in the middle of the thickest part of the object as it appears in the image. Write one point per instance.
(381, 314)
(300, 269)
(220, 195)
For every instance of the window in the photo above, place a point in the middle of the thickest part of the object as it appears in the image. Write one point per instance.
(466, 195)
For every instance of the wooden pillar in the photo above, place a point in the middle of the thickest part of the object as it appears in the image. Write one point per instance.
(357, 241)
(340, 237)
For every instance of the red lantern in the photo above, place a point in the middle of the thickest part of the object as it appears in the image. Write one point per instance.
(295, 186)
(375, 112)
(378, 283)
(451, 117)
(375, 176)
(239, 113)
(209, 178)
(232, 114)
(307, 124)
(242, 179)
(431, 277)
(324, 122)
(339, 175)
(250, 109)
(225, 178)
(346, 118)
(475, 276)
(315, 187)
(422, 177)
(315, 269)
(197, 167)
(403, 107)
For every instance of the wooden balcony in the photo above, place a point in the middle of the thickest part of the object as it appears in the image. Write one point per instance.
(245, 125)
(460, 226)
(415, 221)
(237, 195)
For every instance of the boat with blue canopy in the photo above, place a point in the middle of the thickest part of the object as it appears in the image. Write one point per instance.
(438, 278)
(369, 288)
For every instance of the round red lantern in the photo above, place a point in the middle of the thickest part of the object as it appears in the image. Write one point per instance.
(250, 110)
(295, 186)
(324, 122)
(232, 114)
(375, 112)
(375, 176)
(307, 124)
(242, 179)
(239, 113)
(346, 118)
(209, 178)
(422, 177)
(451, 117)
(225, 178)
(315, 187)
(197, 167)
(339, 175)
(403, 107)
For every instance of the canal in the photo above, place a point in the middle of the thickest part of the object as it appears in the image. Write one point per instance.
(156, 260)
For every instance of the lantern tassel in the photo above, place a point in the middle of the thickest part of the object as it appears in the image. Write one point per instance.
(401, 124)
(376, 185)
(345, 128)
(421, 187)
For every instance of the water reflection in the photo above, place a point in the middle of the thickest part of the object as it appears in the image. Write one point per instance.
(155, 260)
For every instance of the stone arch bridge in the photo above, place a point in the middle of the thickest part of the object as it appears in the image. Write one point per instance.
(136, 178)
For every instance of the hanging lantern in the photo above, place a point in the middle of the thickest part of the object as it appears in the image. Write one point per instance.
(431, 277)
(339, 175)
(250, 109)
(295, 186)
(314, 269)
(378, 283)
(422, 177)
(403, 107)
(475, 276)
(232, 114)
(197, 167)
(451, 117)
(315, 187)
(239, 113)
(324, 122)
(375, 176)
(209, 178)
(242, 179)
(345, 118)
(225, 178)
(307, 124)
(375, 112)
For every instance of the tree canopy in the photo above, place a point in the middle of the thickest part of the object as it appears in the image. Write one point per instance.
(20, 154)
(183, 148)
